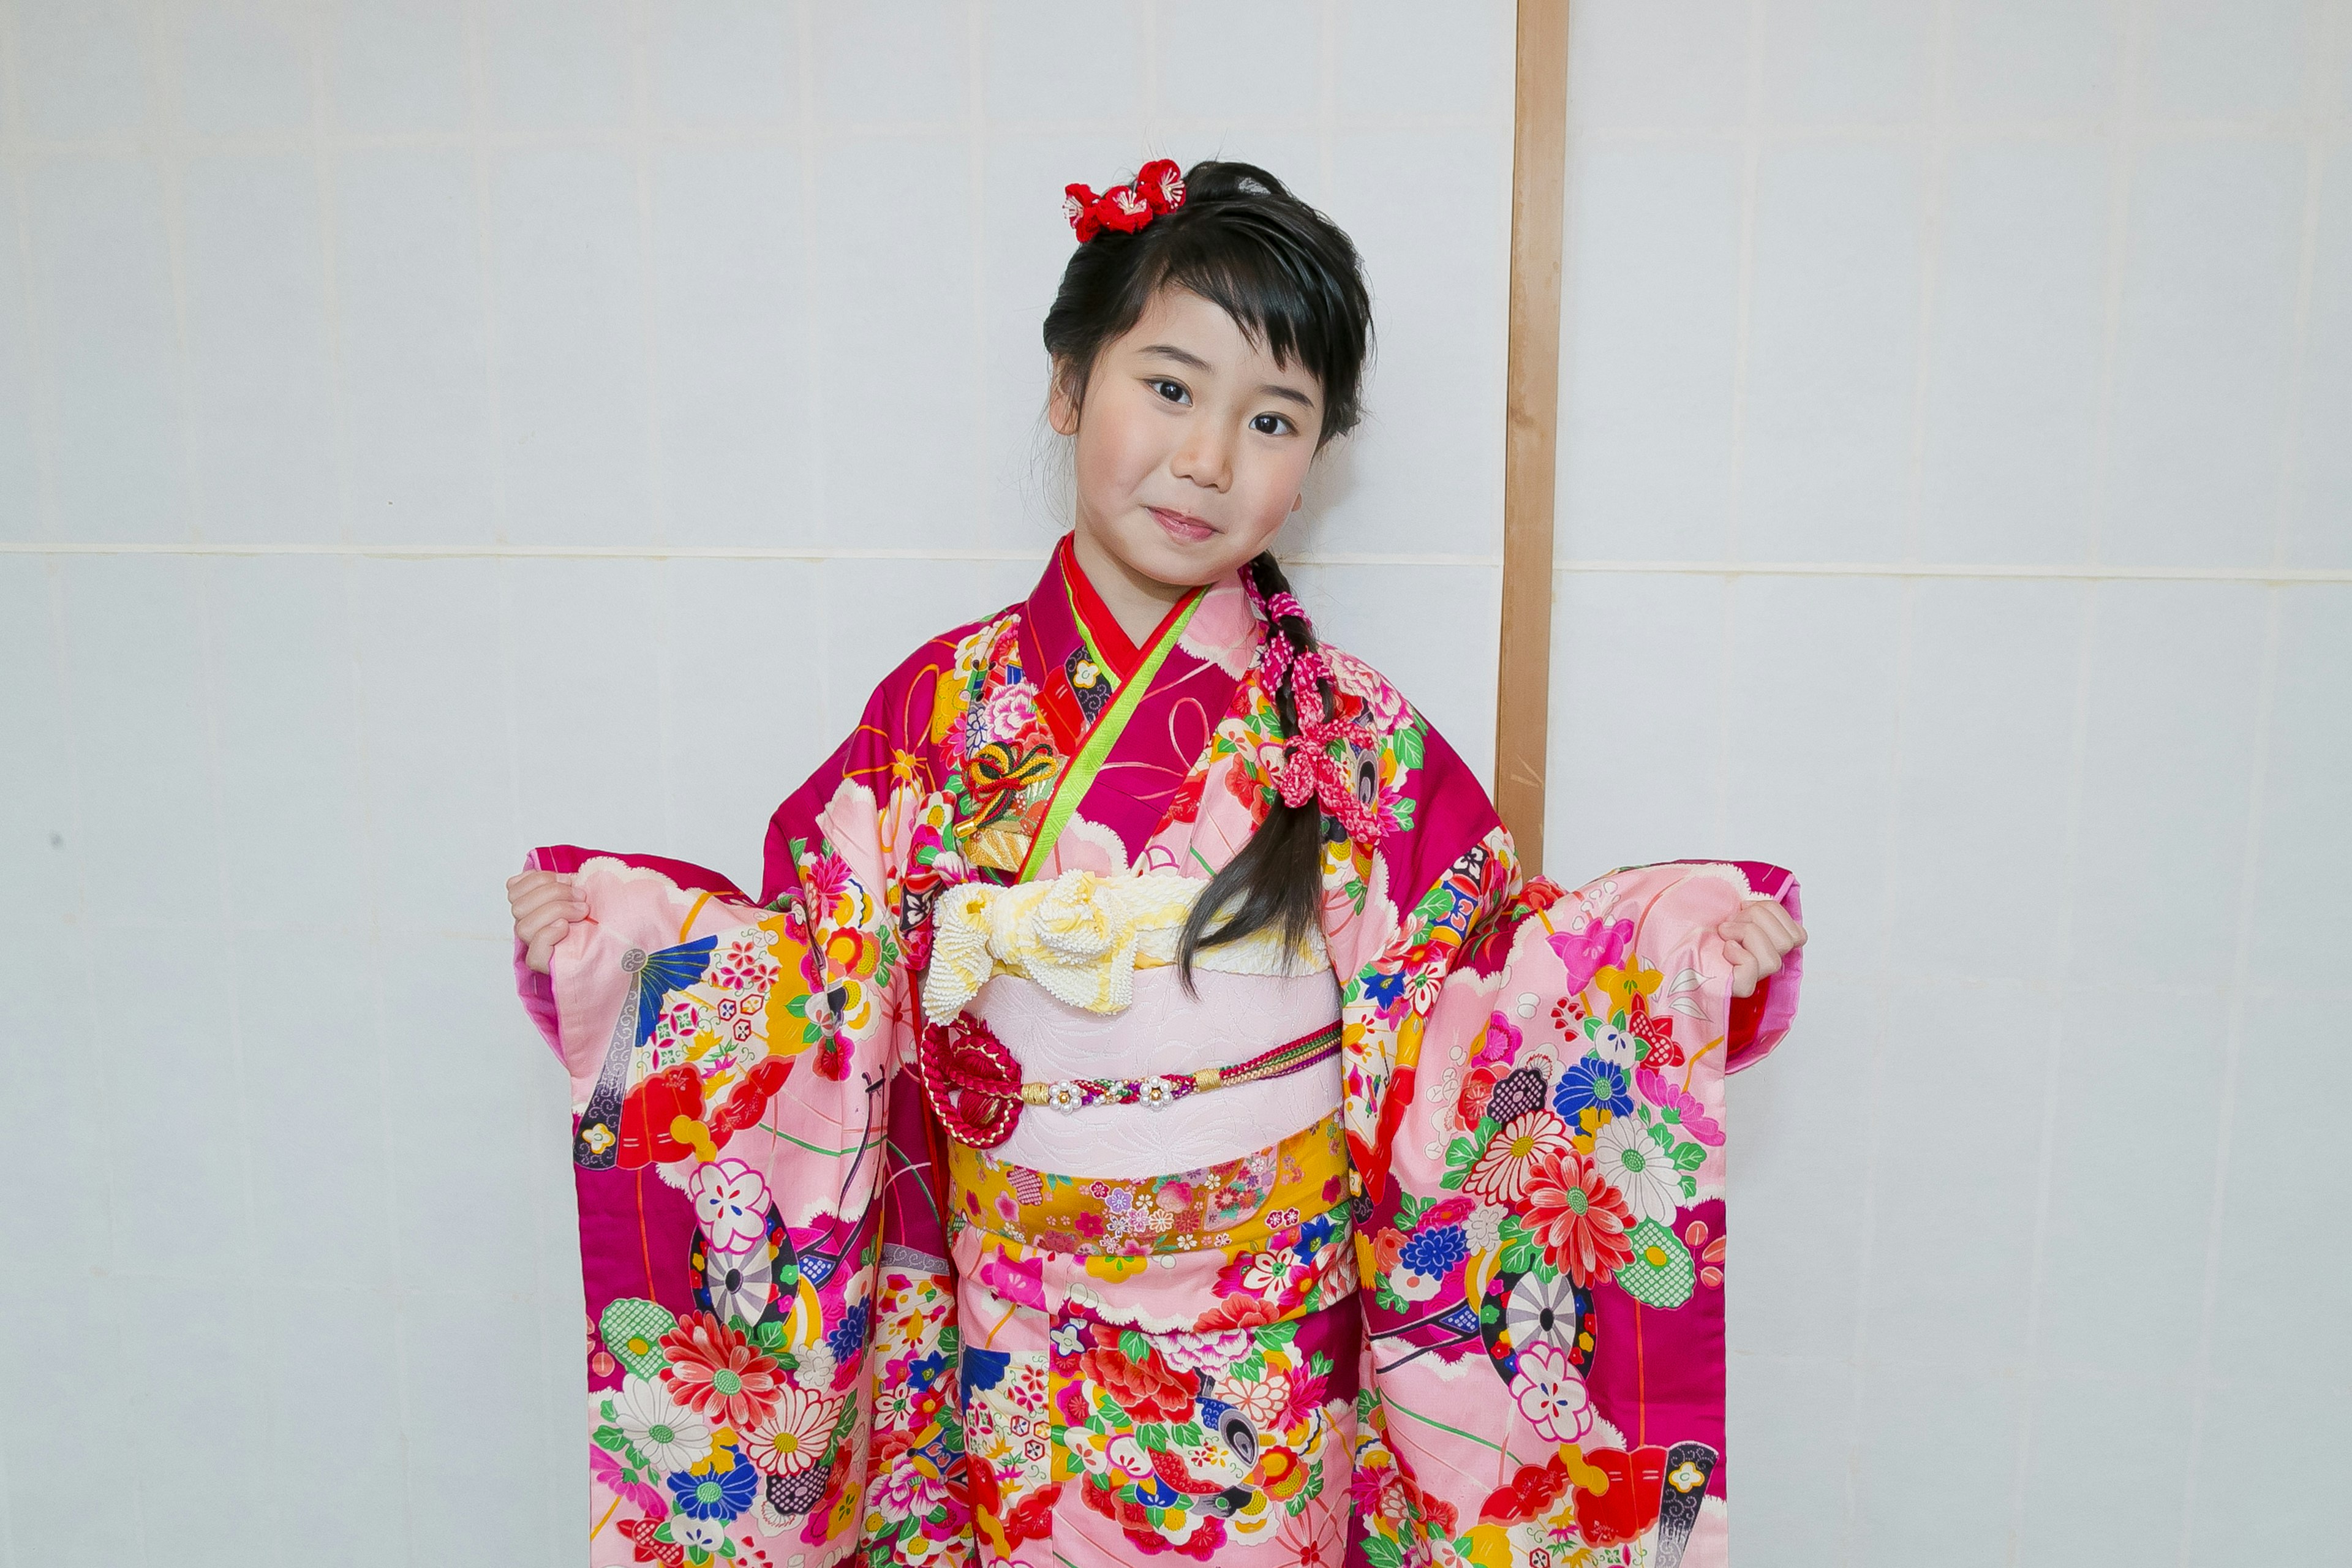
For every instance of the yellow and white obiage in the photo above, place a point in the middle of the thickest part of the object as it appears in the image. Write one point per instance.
(1081, 936)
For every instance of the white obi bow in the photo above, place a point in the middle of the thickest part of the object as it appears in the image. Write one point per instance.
(1081, 937)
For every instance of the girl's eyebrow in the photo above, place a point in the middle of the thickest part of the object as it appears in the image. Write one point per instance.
(1273, 389)
(1182, 356)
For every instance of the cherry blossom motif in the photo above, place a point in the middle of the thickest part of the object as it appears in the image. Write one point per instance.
(1550, 1395)
(794, 1436)
(745, 964)
(1501, 1173)
(730, 1205)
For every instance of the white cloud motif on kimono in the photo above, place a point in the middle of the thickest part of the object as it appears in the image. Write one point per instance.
(1550, 1395)
(730, 1205)
(1632, 1161)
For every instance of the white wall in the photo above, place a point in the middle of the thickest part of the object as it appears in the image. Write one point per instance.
(539, 295)
(1969, 388)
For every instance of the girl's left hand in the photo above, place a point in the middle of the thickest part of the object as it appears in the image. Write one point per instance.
(1755, 940)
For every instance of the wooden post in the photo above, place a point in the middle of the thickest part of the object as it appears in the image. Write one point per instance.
(1539, 180)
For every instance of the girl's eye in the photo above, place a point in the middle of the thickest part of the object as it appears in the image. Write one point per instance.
(1174, 391)
(1272, 425)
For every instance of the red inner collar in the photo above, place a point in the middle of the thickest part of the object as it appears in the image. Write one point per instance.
(1102, 628)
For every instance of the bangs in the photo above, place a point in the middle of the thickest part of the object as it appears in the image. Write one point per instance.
(1281, 301)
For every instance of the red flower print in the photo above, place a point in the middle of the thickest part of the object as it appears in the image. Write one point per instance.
(1149, 1389)
(1514, 1155)
(1032, 1518)
(1534, 1491)
(1238, 1313)
(715, 1371)
(1185, 805)
(640, 1532)
(1575, 1216)
(1567, 1016)
(1658, 1033)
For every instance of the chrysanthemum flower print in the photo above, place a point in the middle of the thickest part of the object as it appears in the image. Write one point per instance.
(730, 1205)
(716, 1494)
(659, 1431)
(1501, 1173)
(794, 1435)
(1593, 1083)
(1576, 1217)
(1550, 1395)
(716, 1373)
(1629, 1160)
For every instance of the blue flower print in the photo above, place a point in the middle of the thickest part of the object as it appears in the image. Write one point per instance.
(1596, 1083)
(849, 1339)
(1434, 1252)
(719, 1494)
(1383, 987)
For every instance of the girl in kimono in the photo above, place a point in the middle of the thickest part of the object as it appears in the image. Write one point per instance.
(1145, 1110)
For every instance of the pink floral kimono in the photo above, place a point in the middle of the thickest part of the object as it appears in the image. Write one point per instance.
(929, 1213)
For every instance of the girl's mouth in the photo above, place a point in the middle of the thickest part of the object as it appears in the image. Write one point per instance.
(1182, 527)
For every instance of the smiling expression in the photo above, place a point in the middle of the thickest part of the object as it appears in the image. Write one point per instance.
(1191, 446)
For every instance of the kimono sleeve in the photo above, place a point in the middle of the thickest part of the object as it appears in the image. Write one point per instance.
(1537, 1120)
(752, 1268)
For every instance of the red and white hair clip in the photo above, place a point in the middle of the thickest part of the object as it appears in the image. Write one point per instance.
(1158, 188)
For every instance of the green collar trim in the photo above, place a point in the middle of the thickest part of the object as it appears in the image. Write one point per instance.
(1080, 776)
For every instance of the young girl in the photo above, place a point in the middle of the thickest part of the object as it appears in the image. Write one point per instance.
(1145, 1109)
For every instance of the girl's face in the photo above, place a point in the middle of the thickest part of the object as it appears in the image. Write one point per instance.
(1192, 444)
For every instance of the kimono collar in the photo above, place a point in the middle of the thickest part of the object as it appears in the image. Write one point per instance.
(1105, 639)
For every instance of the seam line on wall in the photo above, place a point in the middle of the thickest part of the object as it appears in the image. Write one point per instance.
(2087, 573)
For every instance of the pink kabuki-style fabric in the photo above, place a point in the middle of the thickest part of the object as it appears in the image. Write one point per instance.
(1472, 1313)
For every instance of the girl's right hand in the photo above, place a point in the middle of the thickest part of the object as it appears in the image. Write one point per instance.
(545, 904)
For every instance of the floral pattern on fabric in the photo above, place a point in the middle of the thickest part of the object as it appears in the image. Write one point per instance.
(1496, 1328)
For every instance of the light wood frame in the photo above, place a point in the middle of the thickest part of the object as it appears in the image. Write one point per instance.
(1530, 443)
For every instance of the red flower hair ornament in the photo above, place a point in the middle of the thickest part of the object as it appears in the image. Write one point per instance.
(1158, 188)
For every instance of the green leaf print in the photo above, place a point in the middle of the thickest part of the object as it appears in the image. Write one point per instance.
(1134, 1346)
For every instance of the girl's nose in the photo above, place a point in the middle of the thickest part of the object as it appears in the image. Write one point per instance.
(1205, 458)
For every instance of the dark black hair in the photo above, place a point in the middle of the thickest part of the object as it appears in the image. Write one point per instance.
(1291, 281)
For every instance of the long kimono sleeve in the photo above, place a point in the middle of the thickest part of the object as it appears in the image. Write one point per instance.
(1536, 1120)
(759, 1252)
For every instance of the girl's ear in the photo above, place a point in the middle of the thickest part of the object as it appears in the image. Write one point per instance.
(1062, 399)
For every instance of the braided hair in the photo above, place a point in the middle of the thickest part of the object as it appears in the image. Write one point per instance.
(1291, 280)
